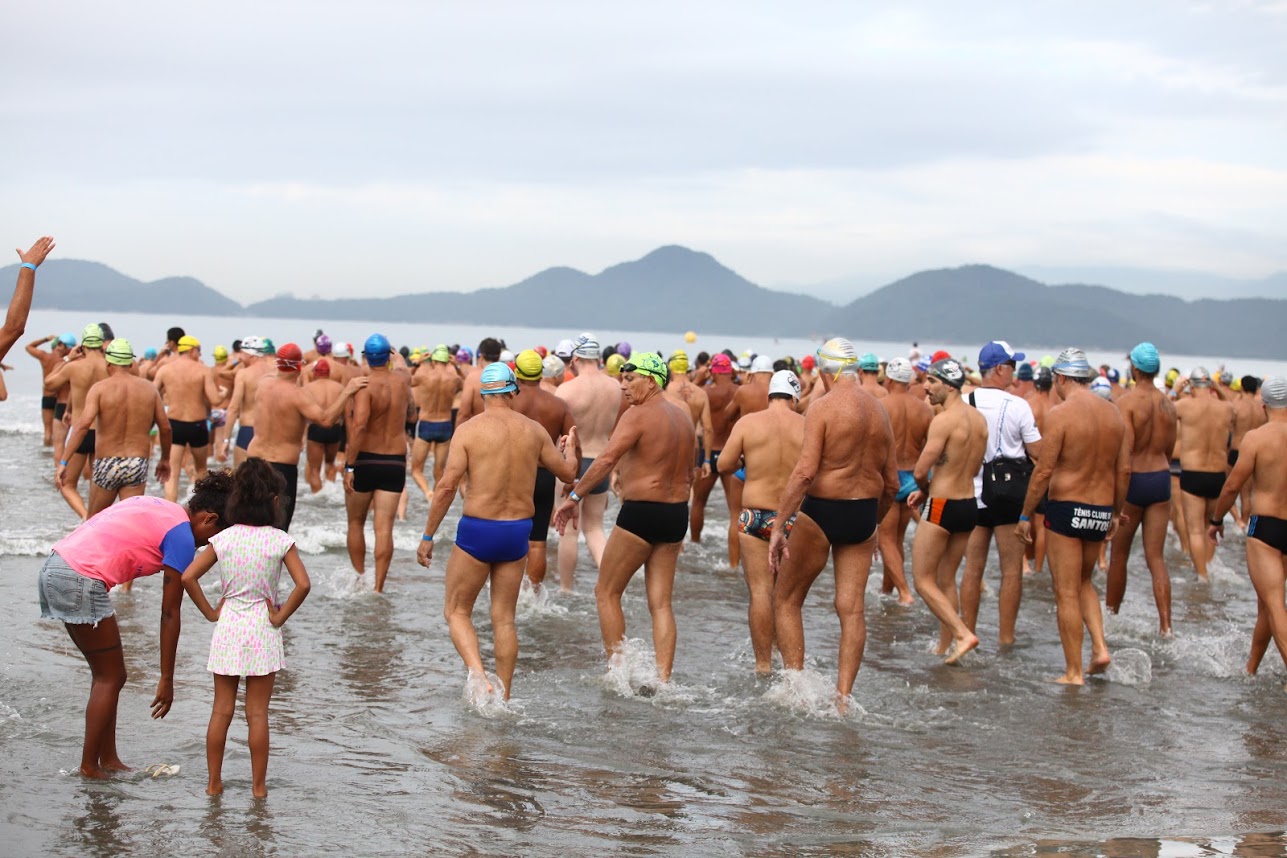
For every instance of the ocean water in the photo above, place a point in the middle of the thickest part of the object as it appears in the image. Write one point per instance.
(379, 748)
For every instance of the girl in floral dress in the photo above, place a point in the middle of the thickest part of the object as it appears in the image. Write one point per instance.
(248, 639)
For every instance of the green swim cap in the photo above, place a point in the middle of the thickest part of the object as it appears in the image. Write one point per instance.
(119, 353)
(648, 363)
(440, 354)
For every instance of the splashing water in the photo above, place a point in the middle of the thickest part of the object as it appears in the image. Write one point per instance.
(1130, 667)
(810, 693)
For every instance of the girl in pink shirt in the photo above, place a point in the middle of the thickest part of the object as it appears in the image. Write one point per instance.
(136, 537)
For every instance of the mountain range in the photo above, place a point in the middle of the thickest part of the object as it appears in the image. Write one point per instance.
(674, 288)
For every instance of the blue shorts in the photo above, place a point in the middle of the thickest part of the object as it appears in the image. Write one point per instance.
(434, 433)
(906, 485)
(491, 541)
(69, 596)
(245, 434)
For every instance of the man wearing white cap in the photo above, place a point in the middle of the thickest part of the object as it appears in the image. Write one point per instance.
(595, 400)
(1206, 426)
(241, 405)
(910, 418)
(1262, 463)
(1084, 467)
(767, 445)
(843, 485)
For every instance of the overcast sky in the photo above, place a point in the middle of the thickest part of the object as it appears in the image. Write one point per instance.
(322, 147)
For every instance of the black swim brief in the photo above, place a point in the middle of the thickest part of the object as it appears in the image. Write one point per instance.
(543, 499)
(715, 462)
(291, 473)
(602, 486)
(1084, 521)
(86, 447)
(190, 433)
(59, 410)
(847, 521)
(47, 403)
(1204, 484)
(1175, 467)
(954, 516)
(1269, 530)
(326, 435)
(1233, 458)
(1002, 514)
(655, 522)
(379, 472)
(1149, 488)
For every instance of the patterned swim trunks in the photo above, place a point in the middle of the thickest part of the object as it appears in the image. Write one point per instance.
(120, 472)
(759, 523)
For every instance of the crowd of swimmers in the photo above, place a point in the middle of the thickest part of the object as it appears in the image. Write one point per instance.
(825, 458)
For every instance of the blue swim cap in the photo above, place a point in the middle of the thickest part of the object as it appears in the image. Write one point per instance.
(149, 354)
(69, 340)
(377, 350)
(1145, 358)
(497, 378)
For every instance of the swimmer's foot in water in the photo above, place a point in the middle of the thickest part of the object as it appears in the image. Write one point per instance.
(215, 787)
(960, 646)
(1070, 679)
(114, 764)
(98, 774)
(1099, 662)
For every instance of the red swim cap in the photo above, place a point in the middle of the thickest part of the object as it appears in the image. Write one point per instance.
(322, 369)
(721, 364)
(289, 357)
(939, 355)
(808, 362)
(541, 350)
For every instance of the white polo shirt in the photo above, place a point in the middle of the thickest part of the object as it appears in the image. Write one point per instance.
(1010, 426)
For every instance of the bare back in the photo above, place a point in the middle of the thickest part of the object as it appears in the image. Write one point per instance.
(499, 450)
(1088, 433)
(769, 443)
(959, 437)
(685, 394)
(279, 424)
(848, 436)
(658, 462)
(910, 418)
(1206, 425)
(1264, 451)
(550, 412)
(1248, 414)
(187, 388)
(127, 407)
(434, 386)
(720, 393)
(1150, 419)
(382, 409)
(595, 400)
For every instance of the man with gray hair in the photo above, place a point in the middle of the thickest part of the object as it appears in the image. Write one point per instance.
(1206, 425)
(1262, 464)
(1012, 436)
(1085, 466)
(842, 486)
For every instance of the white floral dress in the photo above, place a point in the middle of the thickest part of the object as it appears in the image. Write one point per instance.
(250, 562)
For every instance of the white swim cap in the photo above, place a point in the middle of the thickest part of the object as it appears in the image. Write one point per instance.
(1072, 363)
(838, 356)
(1102, 387)
(1200, 377)
(506, 356)
(587, 347)
(900, 369)
(1273, 392)
(784, 381)
(553, 367)
(762, 363)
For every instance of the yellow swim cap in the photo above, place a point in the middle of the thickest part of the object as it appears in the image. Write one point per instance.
(220, 354)
(614, 365)
(528, 365)
(679, 361)
(1171, 376)
(188, 343)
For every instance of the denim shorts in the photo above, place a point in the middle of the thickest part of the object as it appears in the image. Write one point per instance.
(69, 596)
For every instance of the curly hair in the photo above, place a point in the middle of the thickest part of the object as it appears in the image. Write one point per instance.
(256, 494)
(210, 494)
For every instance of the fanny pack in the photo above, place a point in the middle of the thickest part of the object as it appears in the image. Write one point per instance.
(1005, 480)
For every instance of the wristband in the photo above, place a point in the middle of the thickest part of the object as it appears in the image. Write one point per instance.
(1023, 518)
(1214, 522)
(30, 265)
(424, 537)
(348, 468)
(576, 498)
(62, 462)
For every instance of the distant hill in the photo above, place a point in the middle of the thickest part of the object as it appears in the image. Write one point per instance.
(671, 289)
(1189, 285)
(977, 303)
(73, 284)
(675, 289)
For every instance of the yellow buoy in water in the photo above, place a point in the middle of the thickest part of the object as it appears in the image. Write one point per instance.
(690, 337)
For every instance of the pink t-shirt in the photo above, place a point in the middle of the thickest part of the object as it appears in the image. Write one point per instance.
(129, 540)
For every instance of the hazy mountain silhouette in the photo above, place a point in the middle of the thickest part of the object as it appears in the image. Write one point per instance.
(676, 289)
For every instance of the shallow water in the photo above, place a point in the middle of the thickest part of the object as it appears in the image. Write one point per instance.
(376, 749)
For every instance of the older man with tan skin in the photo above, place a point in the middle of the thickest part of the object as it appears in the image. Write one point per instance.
(499, 451)
(1150, 423)
(652, 446)
(685, 394)
(910, 418)
(595, 400)
(83, 367)
(245, 387)
(189, 392)
(1206, 424)
(1248, 414)
(720, 393)
(842, 486)
(49, 361)
(1262, 463)
(282, 414)
(375, 472)
(767, 445)
(434, 386)
(122, 409)
(1084, 468)
(953, 451)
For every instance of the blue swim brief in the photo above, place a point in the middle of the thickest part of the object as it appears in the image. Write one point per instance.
(434, 432)
(906, 485)
(491, 541)
(245, 434)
